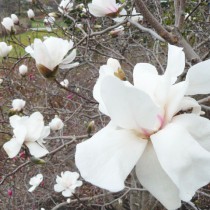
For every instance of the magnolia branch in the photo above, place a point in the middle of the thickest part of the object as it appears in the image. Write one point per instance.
(173, 38)
(73, 140)
(148, 30)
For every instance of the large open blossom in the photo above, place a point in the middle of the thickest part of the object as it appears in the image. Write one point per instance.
(30, 131)
(155, 127)
(101, 8)
(51, 54)
(67, 183)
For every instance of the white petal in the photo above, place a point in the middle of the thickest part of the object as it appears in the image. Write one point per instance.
(20, 134)
(14, 120)
(45, 132)
(109, 69)
(41, 54)
(107, 158)
(36, 180)
(30, 50)
(122, 16)
(146, 78)
(35, 149)
(12, 147)
(129, 107)
(57, 49)
(176, 95)
(155, 180)
(96, 10)
(197, 126)
(198, 77)
(68, 66)
(68, 59)
(113, 63)
(35, 125)
(31, 189)
(176, 62)
(59, 188)
(76, 184)
(67, 193)
(190, 103)
(183, 159)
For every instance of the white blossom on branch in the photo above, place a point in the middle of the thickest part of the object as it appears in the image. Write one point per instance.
(30, 131)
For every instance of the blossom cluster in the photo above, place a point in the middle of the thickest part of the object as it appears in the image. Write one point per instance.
(66, 184)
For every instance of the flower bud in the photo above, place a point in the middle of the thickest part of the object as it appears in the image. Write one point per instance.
(90, 127)
(18, 105)
(8, 24)
(65, 83)
(56, 124)
(37, 160)
(15, 19)
(23, 70)
(9, 193)
(31, 14)
(117, 31)
(120, 74)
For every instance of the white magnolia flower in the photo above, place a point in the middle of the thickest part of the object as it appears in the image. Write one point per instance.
(56, 124)
(30, 14)
(65, 83)
(136, 16)
(101, 8)
(67, 183)
(23, 70)
(35, 182)
(51, 54)
(8, 24)
(1, 81)
(30, 131)
(149, 130)
(65, 6)
(15, 19)
(18, 104)
(4, 49)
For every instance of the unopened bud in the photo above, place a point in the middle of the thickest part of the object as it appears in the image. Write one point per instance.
(120, 74)
(90, 127)
(9, 192)
(37, 160)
